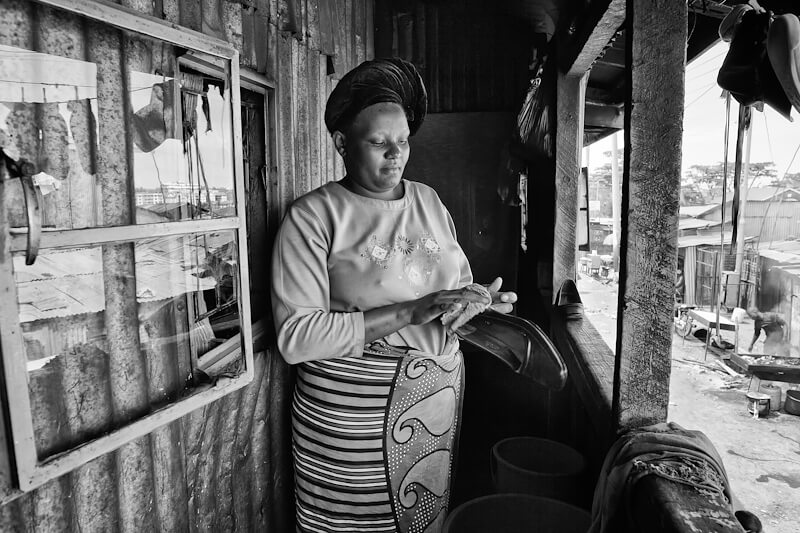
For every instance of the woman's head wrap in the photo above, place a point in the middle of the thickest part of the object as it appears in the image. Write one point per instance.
(377, 81)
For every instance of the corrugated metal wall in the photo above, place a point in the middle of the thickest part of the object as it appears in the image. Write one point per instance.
(773, 220)
(225, 467)
(472, 56)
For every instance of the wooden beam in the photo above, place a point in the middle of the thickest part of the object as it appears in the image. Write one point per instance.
(604, 116)
(589, 33)
(569, 142)
(650, 193)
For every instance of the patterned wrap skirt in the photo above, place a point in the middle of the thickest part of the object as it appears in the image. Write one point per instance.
(374, 440)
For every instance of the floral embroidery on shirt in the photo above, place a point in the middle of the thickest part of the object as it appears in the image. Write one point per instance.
(416, 272)
(378, 251)
(403, 245)
(419, 258)
(430, 246)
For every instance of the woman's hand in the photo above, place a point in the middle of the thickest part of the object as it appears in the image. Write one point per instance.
(502, 302)
(434, 304)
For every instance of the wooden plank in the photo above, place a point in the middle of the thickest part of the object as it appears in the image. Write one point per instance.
(314, 119)
(650, 200)
(339, 40)
(359, 30)
(604, 116)
(191, 14)
(327, 27)
(347, 28)
(232, 27)
(248, 53)
(300, 116)
(286, 123)
(369, 35)
(271, 67)
(660, 505)
(590, 363)
(569, 142)
(263, 45)
(126, 18)
(243, 461)
(383, 28)
(103, 235)
(597, 23)
(312, 14)
(127, 365)
(62, 464)
(211, 22)
(171, 11)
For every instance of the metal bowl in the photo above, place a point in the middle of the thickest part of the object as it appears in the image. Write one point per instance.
(792, 402)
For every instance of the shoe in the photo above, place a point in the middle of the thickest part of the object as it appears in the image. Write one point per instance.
(568, 301)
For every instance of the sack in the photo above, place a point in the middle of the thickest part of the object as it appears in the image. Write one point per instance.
(534, 132)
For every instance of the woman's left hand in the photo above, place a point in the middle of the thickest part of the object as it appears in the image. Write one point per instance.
(502, 302)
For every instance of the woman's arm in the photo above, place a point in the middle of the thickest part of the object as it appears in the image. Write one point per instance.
(306, 327)
(756, 334)
(386, 320)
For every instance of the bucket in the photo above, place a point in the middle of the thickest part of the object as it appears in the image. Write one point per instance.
(774, 393)
(516, 513)
(540, 467)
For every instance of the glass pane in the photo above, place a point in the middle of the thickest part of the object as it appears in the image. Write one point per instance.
(115, 134)
(112, 332)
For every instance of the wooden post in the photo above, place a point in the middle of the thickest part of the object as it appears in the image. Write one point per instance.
(569, 142)
(616, 198)
(650, 194)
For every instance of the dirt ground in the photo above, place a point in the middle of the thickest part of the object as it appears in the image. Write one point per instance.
(761, 456)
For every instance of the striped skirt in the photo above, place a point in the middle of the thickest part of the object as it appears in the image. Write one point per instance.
(373, 441)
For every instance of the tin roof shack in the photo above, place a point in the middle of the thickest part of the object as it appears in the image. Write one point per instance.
(779, 286)
(230, 96)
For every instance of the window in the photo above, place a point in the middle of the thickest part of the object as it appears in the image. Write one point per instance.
(127, 247)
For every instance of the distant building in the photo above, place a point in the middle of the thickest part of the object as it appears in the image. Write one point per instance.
(183, 193)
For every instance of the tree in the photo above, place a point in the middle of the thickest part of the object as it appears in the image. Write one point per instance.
(600, 191)
(705, 181)
(791, 181)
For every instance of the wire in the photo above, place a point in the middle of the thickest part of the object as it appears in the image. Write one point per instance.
(781, 190)
(708, 60)
(701, 95)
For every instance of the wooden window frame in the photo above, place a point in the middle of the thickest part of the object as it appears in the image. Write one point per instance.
(30, 470)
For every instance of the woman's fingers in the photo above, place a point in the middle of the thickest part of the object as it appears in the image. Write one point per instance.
(502, 308)
(507, 297)
(495, 285)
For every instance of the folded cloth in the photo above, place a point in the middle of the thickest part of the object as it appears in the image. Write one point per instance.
(458, 316)
(728, 25)
(377, 81)
(667, 450)
(747, 72)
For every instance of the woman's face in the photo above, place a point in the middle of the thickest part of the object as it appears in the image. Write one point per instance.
(375, 150)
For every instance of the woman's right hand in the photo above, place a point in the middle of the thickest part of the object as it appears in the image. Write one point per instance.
(436, 303)
(382, 321)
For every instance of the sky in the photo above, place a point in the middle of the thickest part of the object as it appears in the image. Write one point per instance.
(774, 138)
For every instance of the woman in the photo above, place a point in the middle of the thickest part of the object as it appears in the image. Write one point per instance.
(363, 268)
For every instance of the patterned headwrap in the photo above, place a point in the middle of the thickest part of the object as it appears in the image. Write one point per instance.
(372, 82)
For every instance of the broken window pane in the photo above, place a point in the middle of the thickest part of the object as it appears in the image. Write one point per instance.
(168, 321)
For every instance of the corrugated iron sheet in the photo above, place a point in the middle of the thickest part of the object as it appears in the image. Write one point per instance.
(471, 56)
(227, 466)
